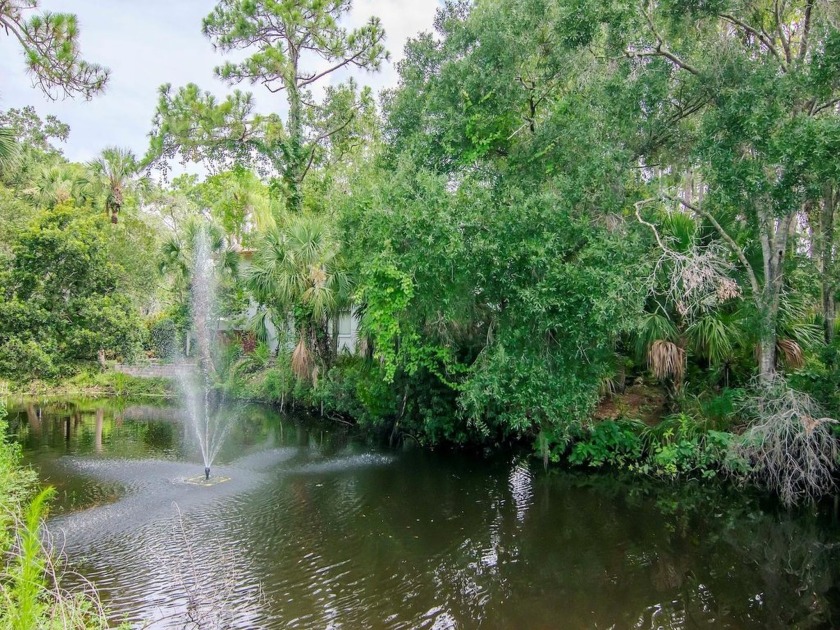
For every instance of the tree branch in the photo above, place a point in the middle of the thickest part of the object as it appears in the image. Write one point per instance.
(736, 249)
(638, 206)
(660, 50)
(780, 30)
(334, 131)
(824, 106)
(762, 37)
(806, 30)
(303, 82)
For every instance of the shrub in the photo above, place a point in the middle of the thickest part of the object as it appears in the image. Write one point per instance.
(608, 443)
(163, 338)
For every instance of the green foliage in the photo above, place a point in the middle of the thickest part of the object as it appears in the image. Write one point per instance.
(679, 447)
(16, 482)
(62, 302)
(354, 389)
(237, 200)
(386, 292)
(163, 338)
(488, 293)
(676, 448)
(609, 443)
(820, 378)
(721, 408)
(25, 581)
(50, 43)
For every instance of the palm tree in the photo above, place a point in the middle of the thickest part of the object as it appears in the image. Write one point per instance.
(178, 252)
(296, 274)
(9, 149)
(113, 175)
(52, 185)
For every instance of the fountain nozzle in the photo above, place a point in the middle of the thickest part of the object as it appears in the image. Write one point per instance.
(207, 473)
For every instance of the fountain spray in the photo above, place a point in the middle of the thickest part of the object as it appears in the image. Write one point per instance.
(210, 428)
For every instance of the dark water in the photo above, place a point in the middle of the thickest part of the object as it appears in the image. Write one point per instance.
(314, 529)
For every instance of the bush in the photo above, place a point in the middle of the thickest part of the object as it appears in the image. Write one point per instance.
(163, 338)
(23, 360)
(677, 447)
(609, 443)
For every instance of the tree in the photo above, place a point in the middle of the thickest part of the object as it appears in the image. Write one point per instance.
(32, 131)
(50, 43)
(62, 302)
(743, 95)
(296, 274)
(282, 37)
(113, 176)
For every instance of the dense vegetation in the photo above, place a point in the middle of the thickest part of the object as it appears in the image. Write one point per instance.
(603, 230)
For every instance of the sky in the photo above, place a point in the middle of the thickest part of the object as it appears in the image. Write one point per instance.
(151, 42)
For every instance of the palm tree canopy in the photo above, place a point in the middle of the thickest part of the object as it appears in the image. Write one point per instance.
(113, 174)
(299, 265)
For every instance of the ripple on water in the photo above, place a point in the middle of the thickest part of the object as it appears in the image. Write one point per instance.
(341, 464)
(303, 539)
(207, 528)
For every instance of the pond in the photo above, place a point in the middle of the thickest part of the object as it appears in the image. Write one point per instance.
(310, 527)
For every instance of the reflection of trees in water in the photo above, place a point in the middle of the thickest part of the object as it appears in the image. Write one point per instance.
(797, 564)
(88, 427)
(33, 417)
(471, 542)
(100, 421)
(475, 540)
(402, 538)
(718, 552)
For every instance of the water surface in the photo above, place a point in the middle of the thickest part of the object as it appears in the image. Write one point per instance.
(316, 529)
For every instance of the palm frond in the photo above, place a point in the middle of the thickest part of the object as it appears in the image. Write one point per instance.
(716, 335)
(791, 353)
(666, 360)
(653, 327)
(302, 360)
(9, 148)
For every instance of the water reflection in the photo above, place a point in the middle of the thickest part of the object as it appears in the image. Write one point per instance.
(316, 530)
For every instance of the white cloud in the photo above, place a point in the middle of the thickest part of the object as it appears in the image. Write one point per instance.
(146, 44)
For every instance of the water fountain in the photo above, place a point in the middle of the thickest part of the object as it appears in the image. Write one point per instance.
(202, 402)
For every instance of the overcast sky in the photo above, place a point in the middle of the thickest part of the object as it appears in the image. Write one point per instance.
(150, 42)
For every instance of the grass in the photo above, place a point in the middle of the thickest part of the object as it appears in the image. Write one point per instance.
(93, 383)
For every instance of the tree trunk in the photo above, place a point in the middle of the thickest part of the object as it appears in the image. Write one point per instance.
(774, 235)
(826, 248)
(294, 167)
(334, 338)
(767, 349)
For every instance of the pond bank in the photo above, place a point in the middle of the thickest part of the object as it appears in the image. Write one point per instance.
(93, 383)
